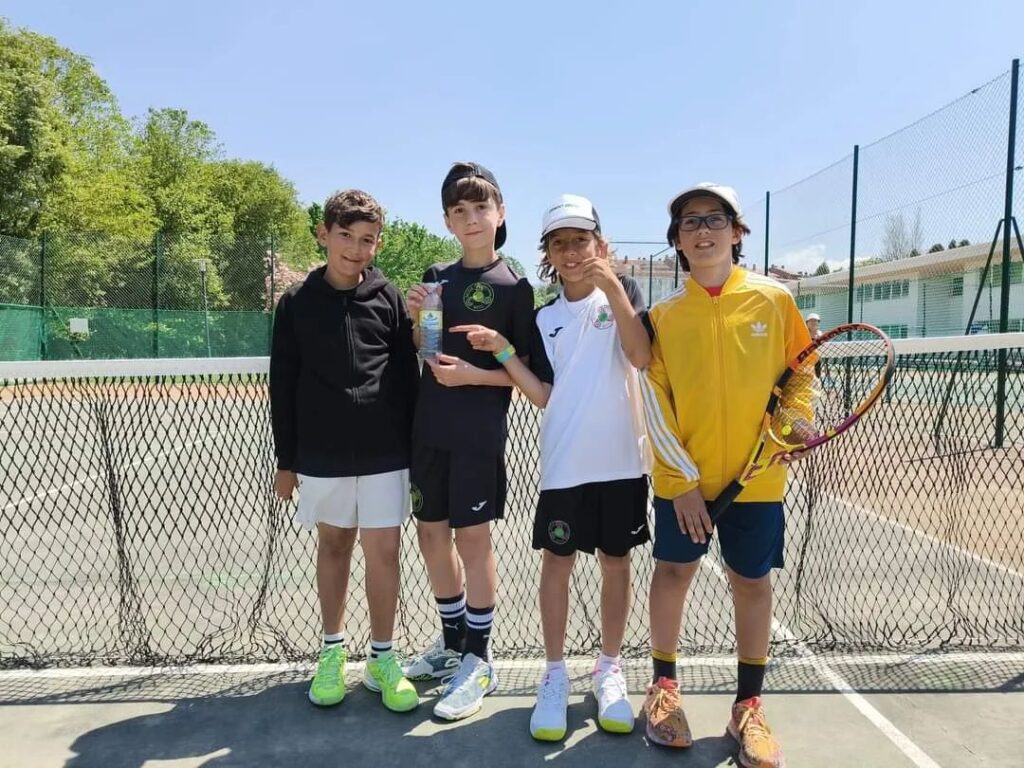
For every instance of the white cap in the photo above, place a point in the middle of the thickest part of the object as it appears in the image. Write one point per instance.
(725, 194)
(813, 316)
(570, 211)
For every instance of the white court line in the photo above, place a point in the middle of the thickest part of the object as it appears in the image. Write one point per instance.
(927, 536)
(575, 664)
(913, 752)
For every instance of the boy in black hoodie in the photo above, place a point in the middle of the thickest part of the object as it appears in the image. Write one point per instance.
(343, 378)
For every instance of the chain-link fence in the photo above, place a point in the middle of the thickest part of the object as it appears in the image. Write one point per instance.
(73, 295)
(913, 223)
(906, 233)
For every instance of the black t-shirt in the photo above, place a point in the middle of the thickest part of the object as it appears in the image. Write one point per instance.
(472, 418)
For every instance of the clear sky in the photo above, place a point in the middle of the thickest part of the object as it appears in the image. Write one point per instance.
(624, 105)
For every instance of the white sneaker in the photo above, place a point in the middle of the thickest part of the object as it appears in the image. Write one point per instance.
(547, 723)
(464, 695)
(434, 663)
(614, 712)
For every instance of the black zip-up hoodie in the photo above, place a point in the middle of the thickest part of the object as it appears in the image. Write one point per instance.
(343, 378)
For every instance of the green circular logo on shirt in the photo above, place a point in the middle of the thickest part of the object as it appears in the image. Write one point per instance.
(604, 317)
(416, 495)
(478, 297)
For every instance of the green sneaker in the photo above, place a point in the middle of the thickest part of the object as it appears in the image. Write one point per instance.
(328, 686)
(385, 677)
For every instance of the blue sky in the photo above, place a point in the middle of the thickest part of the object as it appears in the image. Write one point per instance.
(623, 106)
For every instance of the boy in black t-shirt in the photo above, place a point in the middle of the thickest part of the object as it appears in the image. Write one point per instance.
(458, 466)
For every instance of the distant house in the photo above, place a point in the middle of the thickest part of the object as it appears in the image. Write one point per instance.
(927, 295)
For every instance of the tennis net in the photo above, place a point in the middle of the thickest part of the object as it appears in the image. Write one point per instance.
(139, 526)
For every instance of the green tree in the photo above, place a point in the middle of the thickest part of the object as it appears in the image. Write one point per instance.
(822, 269)
(936, 248)
(408, 249)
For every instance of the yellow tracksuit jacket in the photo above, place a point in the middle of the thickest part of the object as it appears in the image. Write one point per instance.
(714, 362)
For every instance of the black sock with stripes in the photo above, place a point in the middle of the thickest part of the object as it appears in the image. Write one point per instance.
(478, 630)
(453, 621)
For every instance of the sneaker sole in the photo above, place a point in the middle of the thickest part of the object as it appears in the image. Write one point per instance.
(654, 738)
(371, 685)
(615, 726)
(548, 734)
(325, 703)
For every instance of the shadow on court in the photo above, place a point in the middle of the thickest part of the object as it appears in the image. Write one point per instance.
(279, 727)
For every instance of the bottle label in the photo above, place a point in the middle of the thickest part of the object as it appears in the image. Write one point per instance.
(431, 319)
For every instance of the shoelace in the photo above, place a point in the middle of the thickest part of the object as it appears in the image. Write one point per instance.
(330, 665)
(612, 678)
(392, 672)
(554, 687)
(668, 700)
(753, 718)
(459, 679)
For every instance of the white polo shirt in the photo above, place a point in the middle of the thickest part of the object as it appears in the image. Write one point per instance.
(592, 430)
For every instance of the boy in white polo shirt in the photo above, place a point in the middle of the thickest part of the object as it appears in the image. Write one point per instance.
(587, 344)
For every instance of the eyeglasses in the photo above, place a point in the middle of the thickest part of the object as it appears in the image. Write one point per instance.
(711, 221)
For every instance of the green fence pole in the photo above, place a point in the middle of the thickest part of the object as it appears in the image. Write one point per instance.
(270, 312)
(156, 294)
(1004, 298)
(853, 232)
(42, 297)
(767, 223)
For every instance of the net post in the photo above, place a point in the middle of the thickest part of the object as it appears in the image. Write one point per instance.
(1004, 295)
(853, 232)
(675, 275)
(767, 225)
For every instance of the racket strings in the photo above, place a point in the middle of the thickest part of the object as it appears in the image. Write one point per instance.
(826, 392)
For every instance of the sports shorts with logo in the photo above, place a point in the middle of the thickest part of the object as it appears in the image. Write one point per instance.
(751, 535)
(366, 501)
(610, 516)
(463, 488)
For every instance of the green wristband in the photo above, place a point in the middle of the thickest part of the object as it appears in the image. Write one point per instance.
(505, 354)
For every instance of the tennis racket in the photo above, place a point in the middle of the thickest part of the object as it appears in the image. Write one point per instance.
(820, 395)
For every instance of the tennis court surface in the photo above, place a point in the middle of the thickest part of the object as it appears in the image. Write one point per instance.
(157, 605)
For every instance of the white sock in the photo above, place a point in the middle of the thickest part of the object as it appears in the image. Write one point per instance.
(604, 663)
(378, 648)
(338, 638)
(558, 668)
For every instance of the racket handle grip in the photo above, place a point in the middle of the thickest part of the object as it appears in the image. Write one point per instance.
(724, 499)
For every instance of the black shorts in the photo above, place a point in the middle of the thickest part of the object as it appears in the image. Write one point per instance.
(610, 516)
(463, 488)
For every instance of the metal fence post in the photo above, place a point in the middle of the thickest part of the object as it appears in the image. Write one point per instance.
(853, 232)
(650, 279)
(767, 224)
(1004, 296)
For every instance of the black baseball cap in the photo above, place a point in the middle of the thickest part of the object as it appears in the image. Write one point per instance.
(462, 171)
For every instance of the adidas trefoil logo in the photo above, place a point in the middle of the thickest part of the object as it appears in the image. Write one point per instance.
(759, 330)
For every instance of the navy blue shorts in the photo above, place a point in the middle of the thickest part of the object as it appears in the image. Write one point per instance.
(752, 536)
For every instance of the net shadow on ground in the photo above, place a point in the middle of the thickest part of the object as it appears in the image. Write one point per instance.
(998, 673)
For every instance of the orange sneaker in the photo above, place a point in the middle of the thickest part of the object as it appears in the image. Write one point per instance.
(758, 747)
(663, 711)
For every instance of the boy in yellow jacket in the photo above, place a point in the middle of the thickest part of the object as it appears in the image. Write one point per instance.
(719, 344)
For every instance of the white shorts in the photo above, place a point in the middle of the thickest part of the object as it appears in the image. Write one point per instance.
(369, 501)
